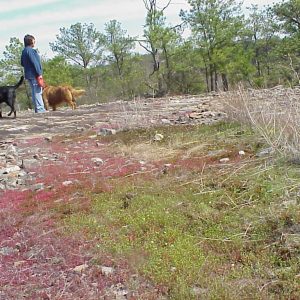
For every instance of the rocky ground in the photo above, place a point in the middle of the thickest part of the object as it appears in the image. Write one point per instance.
(32, 143)
(70, 181)
(48, 158)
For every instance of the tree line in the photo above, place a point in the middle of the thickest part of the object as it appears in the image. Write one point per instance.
(224, 48)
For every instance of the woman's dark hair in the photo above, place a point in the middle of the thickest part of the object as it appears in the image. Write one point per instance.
(28, 40)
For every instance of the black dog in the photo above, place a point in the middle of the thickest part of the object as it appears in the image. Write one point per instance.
(8, 95)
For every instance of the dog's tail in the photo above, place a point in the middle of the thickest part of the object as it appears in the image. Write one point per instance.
(77, 93)
(20, 82)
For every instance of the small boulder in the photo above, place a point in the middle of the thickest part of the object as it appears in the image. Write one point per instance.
(158, 137)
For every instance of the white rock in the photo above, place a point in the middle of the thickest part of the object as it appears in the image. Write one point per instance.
(80, 268)
(166, 121)
(107, 131)
(30, 162)
(11, 151)
(10, 169)
(48, 138)
(224, 160)
(37, 187)
(66, 183)
(158, 137)
(107, 270)
(97, 160)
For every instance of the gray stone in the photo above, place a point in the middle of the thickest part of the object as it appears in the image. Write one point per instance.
(10, 169)
(21, 181)
(107, 270)
(11, 152)
(80, 268)
(107, 131)
(119, 291)
(37, 187)
(166, 121)
(67, 182)
(7, 251)
(11, 183)
(224, 160)
(29, 163)
(265, 152)
(158, 137)
(97, 160)
(48, 138)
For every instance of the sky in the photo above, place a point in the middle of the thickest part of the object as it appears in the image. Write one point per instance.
(44, 18)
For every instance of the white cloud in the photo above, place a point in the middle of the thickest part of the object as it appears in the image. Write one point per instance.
(100, 10)
(46, 24)
(104, 11)
(12, 5)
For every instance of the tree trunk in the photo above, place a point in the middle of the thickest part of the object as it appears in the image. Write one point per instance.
(211, 74)
(206, 78)
(225, 82)
(257, 63)
(216, 80)
(168, 80)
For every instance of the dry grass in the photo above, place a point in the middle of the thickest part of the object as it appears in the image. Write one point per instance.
(274, 113)
(147, 151)
(135, 114)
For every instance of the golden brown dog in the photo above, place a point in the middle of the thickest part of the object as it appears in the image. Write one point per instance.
(55, 95)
